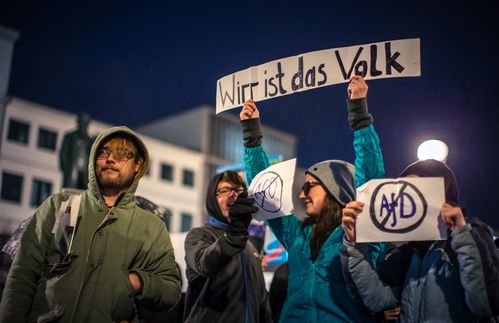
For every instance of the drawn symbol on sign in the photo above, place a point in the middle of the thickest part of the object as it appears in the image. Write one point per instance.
(399, 201)
(268, 190)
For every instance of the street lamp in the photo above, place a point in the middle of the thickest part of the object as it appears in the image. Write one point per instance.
(433, 149)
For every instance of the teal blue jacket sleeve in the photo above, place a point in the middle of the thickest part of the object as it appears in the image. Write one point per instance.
(368, 158)
(369, 165)
(255, 160)
(284, 228)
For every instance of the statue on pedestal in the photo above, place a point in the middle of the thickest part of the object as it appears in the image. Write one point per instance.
(73, 157)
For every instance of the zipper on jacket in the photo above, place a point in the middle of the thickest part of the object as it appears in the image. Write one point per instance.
(421, 289)
(245, 285)
(311, 296)
(426, 268)
(83, 282)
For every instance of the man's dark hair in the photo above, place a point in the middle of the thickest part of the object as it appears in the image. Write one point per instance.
(232, 177)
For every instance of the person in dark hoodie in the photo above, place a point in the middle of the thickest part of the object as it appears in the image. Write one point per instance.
(437, 281)
(225, 279)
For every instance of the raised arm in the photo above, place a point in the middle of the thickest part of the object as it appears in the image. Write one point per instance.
(368, 157)
(255, 158)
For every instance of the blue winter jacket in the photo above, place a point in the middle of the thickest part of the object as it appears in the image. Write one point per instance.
(316, 290)
(445, 285)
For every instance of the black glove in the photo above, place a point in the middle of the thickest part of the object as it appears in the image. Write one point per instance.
(240, 214)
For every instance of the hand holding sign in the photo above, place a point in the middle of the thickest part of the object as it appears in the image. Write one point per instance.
(249, 110)
(349, 217)
(453, 216)
(357, 88)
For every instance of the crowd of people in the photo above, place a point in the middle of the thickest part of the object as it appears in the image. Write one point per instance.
(99, 257)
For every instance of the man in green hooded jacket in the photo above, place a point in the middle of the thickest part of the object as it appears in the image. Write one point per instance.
(98, 259)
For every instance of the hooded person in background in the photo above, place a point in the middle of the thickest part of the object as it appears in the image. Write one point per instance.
(98, 266)
(437, 281)
(223, 267)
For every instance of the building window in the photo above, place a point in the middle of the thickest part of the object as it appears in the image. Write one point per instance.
(188, 177)
(148, 171)
(186, 223)
(18, 131)
(167, 218)
(167, 172)
(12, 187)
(47, 139)
(40, 190)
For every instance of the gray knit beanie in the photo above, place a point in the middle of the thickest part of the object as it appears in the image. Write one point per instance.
(337, 177)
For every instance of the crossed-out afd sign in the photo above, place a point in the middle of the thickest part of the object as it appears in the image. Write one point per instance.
(401, 209)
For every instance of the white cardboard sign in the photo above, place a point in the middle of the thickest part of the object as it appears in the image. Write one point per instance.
(395, 58)
(401, 209)
(272, 190)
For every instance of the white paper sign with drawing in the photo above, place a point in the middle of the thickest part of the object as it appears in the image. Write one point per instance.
(394, 58)
(401, 209)
(272, 190)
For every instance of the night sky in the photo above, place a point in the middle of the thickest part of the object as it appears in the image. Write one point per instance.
(134, 62)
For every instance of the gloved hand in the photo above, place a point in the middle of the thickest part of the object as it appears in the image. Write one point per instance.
(240, 214)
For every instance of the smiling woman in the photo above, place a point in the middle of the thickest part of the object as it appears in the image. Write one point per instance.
(314, 244)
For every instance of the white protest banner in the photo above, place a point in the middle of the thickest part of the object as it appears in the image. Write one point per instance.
(272, 190)
(395, 58)
(402, 209)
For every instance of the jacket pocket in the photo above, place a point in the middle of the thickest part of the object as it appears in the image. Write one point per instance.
(123, 300)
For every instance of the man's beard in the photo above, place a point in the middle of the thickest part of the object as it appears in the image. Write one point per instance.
(112, 182)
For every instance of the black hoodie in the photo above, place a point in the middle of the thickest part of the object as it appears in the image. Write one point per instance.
(225, 276)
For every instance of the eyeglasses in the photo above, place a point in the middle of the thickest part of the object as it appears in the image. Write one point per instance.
(307, 186)
(120, 154)
(226, 191)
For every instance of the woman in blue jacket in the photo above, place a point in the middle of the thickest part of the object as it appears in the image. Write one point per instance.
(316, 289)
